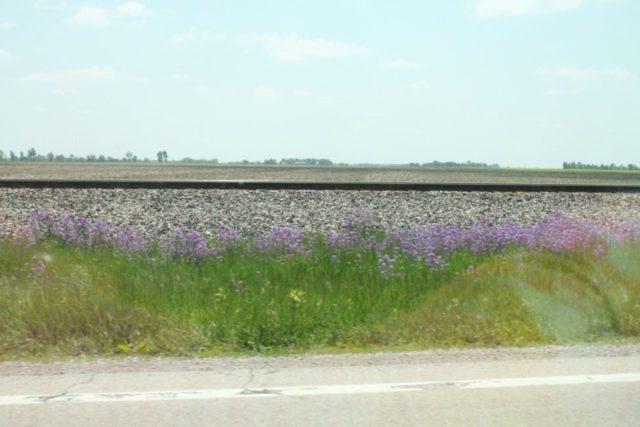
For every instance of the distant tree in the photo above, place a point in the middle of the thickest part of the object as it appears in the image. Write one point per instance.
(602, 166)
(270, 162)
(60, 158)
(162, 156)
(1, 155)
(32, 154)
(12, 156)
(128, 156)
(92, 158)
(50, 156)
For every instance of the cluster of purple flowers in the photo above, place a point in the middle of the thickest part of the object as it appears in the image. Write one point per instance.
(188, 244)
(431, 245)
(360, 221)
(82, 232)
(287, 240)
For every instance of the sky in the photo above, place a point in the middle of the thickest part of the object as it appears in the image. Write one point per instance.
(521, 83)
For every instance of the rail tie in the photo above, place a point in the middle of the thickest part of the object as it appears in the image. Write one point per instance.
(312, 185)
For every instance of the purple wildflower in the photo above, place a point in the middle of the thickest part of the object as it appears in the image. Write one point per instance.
(187, 243)
(288, 240)
(40, 223)
(385, 264)
(99, 233)
(361, 221)
(39, 266)
(599, 251)
(227, 237)
(129, 240)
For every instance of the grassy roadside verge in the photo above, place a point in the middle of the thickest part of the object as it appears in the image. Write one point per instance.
(59, 300)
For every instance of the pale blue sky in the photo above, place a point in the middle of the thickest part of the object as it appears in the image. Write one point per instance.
(514, 82)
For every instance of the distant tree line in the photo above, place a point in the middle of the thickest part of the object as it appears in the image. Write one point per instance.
(162, 156)
(33, 156)
(467, 164)
(580, 165)
(308, 162)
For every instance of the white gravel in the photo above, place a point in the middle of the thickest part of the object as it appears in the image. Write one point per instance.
(254, 212)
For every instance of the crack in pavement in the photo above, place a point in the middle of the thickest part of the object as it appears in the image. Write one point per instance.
(247, 390)
(47, 398)
(250, 380)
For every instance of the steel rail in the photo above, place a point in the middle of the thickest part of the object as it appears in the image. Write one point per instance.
(312, 185)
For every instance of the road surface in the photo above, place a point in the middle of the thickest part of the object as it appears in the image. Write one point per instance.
(593, 385)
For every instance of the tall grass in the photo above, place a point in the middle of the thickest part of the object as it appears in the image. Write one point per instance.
(82, 288)
(96, 300)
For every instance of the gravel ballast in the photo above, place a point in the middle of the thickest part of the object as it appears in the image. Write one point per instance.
(255, 212)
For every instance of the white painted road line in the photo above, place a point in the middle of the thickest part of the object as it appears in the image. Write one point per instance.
(319, 390)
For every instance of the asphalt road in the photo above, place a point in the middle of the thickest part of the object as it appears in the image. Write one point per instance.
(510, 388)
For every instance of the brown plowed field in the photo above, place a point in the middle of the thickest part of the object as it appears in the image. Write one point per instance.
(178, 171)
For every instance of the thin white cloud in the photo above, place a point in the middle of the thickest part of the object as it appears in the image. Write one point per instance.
(5, 56)
(494, 8)
(132, 8)
(294, 48)
(65, 91)
(419, 85)
(557, 93)
(328, 100)
(90, 16)
(87, 112)
(307, 96)
(99, 17)
(49, 5)
(264, 92)
(301, 93)
(403, 64)
(95, 73)
(201, 89)
(182, 77)
(195, 36)
(581, 74)
(183, 38)
(7, 25)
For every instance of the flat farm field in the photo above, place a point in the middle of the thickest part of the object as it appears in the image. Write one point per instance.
(198, 171)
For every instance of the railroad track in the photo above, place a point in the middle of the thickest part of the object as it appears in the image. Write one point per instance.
(312, 185)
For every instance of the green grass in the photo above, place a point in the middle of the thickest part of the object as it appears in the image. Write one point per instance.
(101, 302)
